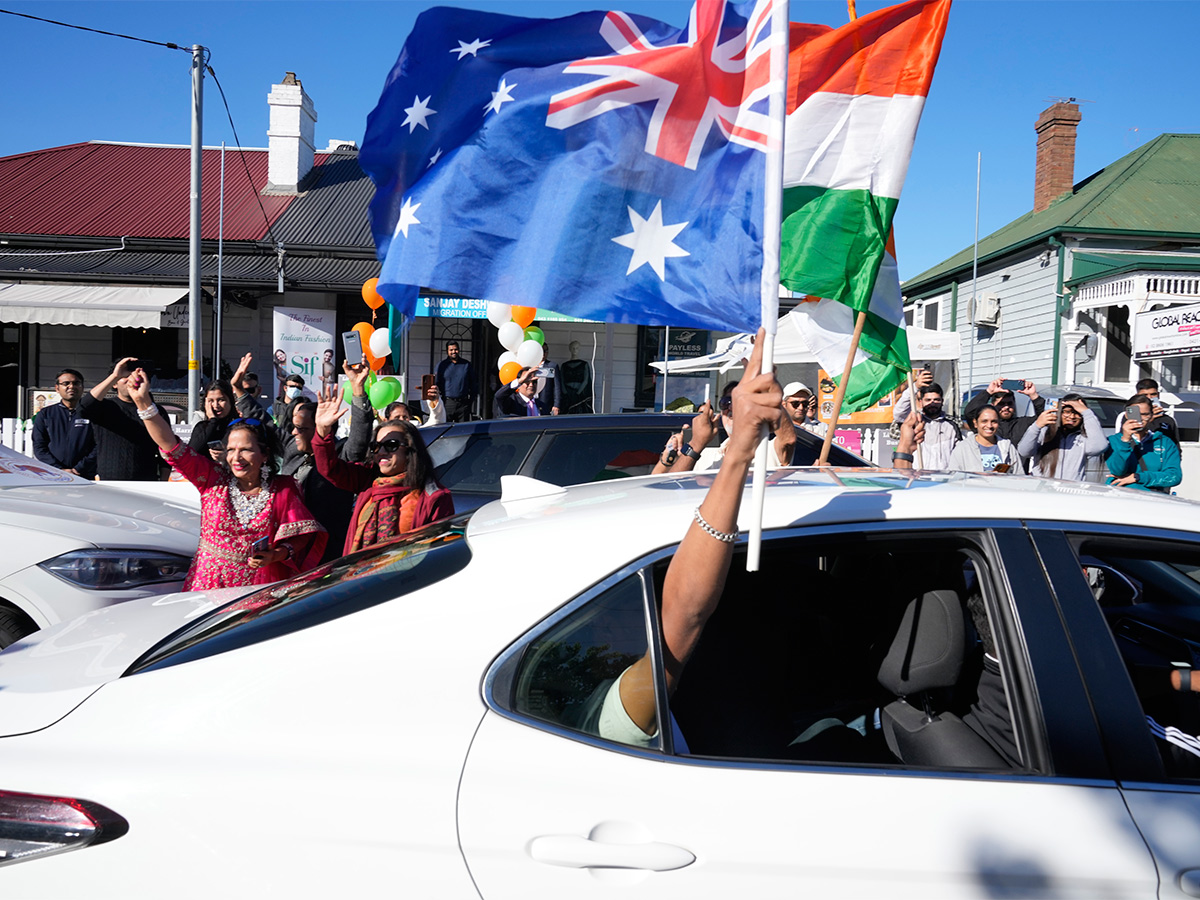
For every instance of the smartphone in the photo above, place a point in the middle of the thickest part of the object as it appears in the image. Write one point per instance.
(1001, 468)
(428, 383)
(352, 345)
(1133, 414)
(1013, 384)
(215, 445)
(545, 372)
(262, 545)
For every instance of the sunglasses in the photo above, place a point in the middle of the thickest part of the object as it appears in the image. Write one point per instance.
(796, 404)
(296, 428)
(254, 422)
(391, 445)
(725, 404)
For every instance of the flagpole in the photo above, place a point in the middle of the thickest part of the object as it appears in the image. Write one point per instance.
(840, 394)
(772, 236)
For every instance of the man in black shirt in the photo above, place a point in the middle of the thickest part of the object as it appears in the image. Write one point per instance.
(124, 449)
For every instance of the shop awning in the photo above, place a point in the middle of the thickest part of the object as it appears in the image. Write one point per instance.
(109, 306)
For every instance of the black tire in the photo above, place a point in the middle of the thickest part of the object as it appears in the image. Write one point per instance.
(14, 625)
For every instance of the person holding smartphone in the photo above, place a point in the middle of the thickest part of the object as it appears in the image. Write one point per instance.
(1061, 440)
(124, 452)
(1140, 455)
(999, 395)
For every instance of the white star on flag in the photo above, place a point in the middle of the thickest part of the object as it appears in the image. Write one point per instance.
(651, 241)
(436, 156)
(500, 96)
(408, 216)
(418, 113)
(473, 48)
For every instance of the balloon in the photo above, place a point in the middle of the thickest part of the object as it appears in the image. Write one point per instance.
(381, 394)
(505, 358)
(347, 392)
(509, 372)
(365, 330)
(370, 293)
(511, 335)
(381, 342)
(533, 333)
(375, 362)
(524, 315)
(529, 353)
(498, 313)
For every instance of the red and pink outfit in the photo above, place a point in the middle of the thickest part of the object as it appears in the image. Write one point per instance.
(229, 524)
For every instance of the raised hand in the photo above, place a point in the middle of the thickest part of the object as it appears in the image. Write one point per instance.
(329, 410)
(704, 426)
(358, 376)
(757, 403)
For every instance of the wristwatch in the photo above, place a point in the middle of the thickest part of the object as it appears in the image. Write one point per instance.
(687, 450)
(907, 457)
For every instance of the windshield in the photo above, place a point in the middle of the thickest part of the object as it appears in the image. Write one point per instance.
(1106, 410)
(363, 579)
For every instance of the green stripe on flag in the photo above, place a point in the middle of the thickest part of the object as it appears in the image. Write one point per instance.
(833, 242)
(869, 381)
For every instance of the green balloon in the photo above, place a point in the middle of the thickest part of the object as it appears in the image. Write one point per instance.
(393, 387)
(347, 392)
(380, 394)
(533, 333)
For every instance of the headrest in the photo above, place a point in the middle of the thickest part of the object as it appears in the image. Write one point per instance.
(927, 651)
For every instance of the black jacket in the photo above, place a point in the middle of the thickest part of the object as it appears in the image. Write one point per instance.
(63, 438)
(124, 449)
(507, 402)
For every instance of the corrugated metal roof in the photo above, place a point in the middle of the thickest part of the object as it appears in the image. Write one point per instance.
(100, 189)
(333, 210)
(257, 270)
(1153, 190)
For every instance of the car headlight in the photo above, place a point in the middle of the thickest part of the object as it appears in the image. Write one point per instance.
(114, 570)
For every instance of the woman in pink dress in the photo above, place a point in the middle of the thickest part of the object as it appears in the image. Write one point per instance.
(240, 506)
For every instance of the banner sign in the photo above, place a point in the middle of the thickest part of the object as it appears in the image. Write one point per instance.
(303, 346)
(471, 308)
(687, 343)
(1174, 331)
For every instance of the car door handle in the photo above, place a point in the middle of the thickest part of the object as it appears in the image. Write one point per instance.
(577, 852)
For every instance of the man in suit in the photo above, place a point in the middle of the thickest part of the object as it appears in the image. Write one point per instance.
(517, 398)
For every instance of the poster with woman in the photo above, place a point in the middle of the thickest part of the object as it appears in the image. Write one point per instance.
(303, 344)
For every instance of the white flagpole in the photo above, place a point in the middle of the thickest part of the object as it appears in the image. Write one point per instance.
(772, 226)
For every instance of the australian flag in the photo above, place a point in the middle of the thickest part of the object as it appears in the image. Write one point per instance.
(605, 166)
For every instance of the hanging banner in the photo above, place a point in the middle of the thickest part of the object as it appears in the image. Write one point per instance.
(303, 346)
(471, 308)
(1162, 333)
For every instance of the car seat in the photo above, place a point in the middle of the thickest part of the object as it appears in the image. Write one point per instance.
(925, 658)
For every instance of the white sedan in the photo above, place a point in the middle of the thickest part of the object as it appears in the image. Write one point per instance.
(955, 686)
(68, 545)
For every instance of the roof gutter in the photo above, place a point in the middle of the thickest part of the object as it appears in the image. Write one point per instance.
(1059, 303)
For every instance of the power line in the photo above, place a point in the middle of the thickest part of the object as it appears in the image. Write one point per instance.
(128, 37)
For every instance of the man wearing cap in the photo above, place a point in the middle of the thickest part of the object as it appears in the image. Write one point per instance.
(801, 406)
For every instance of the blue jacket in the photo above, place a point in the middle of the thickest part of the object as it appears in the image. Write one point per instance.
(63, 438)
(1155, 459)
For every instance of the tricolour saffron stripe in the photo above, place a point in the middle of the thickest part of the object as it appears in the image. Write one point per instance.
(887, 52)
(851, 143)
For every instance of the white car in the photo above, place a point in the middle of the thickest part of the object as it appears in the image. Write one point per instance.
(933, 688)
(68, 546)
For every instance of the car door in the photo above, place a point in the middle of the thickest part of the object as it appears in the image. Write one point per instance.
(1135, 619)
(551, 807)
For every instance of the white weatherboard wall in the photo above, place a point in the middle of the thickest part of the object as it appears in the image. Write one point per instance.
(1023, 345)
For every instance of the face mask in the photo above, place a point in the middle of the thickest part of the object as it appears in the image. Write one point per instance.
(933, 410)
(292, 393)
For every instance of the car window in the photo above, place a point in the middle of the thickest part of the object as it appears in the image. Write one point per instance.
(812, 658)
(1106, 410)
(568, 676)
(354, 582)
(580, 457)
(484, 458)
(1150, 599)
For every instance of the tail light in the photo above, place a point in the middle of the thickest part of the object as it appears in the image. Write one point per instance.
(33, 826)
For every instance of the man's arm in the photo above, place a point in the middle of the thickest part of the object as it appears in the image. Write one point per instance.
(696, 576)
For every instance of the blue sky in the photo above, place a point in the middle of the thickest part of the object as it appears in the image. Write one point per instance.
(1003, 61)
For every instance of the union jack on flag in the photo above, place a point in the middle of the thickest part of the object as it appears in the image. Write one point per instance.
(606, 166)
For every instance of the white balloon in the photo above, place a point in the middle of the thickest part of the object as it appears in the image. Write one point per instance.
(511, 336)
(505, 358)
(498, 313)
(529, 353)
(380, 342)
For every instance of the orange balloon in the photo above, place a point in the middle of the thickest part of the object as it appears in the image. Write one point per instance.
(524, 315)
(371, 295)
(509, 371)
(375, 362)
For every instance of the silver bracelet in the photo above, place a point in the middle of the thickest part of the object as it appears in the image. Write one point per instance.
(148, 413)
(725, 537)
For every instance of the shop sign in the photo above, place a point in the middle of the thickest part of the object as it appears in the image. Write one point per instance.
(1174, 331)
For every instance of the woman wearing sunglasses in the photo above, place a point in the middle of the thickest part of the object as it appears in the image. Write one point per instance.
(254, 527)
(396, 489)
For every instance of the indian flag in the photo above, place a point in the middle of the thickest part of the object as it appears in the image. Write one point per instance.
(855, 96)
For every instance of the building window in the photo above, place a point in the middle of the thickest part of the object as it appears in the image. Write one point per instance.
(932, 315)
(1118, 350)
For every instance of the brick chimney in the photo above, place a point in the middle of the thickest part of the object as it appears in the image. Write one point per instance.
(1055, 172)
(290, 136)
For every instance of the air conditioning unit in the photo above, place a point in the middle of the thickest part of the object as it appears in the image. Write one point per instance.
(984, 310)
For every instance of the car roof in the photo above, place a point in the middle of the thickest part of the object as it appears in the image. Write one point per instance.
(597, 516)
(518, 424)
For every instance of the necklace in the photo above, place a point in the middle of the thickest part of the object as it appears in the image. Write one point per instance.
(246, 508)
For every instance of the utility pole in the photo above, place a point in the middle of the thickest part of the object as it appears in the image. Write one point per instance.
(194, 233)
